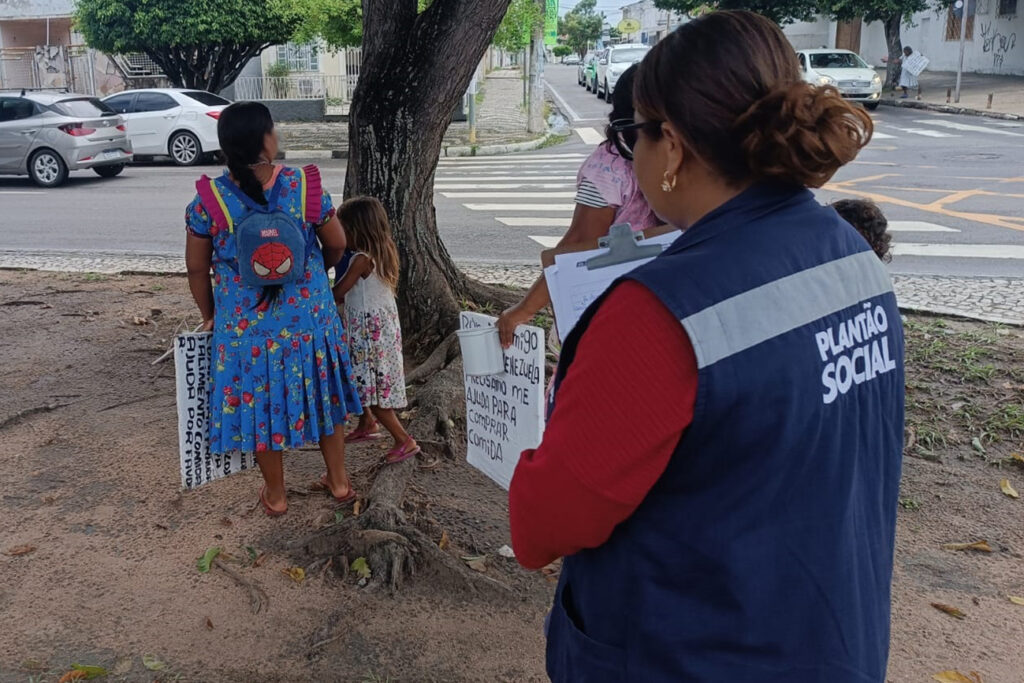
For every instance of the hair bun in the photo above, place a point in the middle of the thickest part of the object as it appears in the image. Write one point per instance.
(801, 134)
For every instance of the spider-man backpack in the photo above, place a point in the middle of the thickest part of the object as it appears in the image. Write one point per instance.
(271, 245)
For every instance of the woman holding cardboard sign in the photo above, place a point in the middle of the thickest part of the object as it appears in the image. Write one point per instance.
(724, 490)
(606, 193)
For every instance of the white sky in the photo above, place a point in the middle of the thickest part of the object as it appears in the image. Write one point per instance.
(611, 8)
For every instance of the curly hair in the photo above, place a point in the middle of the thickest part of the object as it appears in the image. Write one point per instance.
(870, 222)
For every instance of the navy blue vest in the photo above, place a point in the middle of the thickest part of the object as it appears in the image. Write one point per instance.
(764, 552)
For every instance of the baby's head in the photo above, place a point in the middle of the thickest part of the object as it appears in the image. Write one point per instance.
(870, 222)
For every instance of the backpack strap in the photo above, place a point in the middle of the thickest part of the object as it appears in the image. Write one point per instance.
(313, 193)
(213, 202)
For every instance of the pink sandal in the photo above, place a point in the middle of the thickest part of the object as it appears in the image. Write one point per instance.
(271, 512)
(347, 498)
(362, 436)
(403, 452)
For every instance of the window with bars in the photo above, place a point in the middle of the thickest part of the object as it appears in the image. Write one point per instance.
(299, 57)
(1007, 8)
(954, 17)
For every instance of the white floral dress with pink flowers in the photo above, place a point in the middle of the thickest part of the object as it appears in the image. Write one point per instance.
(375, 342)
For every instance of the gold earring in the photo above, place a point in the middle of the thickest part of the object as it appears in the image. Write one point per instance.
(666, 185)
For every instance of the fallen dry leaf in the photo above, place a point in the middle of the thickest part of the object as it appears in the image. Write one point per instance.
(296, 574)
(1018, 458)
(950, 610)
(139, 320)
(356, 508)
(1015, 600)
(19, 550)
(226, 522)
(957, 677)
(258, 562)
(1005, 487)
(209, 623)
(980, 546)
(477, 563)
(73, 675)
(445, 541)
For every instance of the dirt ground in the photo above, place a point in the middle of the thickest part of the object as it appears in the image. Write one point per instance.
(98, 547)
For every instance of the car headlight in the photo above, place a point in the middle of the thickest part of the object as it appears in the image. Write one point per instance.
(877, 80)
(826, 80)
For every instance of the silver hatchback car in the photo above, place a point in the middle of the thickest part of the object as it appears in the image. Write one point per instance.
(48, 134)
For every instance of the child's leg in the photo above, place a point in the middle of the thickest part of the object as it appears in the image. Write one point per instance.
(366, 422)
(332, 447)
(387, 417)
(272, 467)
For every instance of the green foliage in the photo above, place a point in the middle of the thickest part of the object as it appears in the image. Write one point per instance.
(872, 10)
(120, 26)
(582, 26)
(779, 11)
(561, 50)
(278, 70)
(514, 32)
(338, 22)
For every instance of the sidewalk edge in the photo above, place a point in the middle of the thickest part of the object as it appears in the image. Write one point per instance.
(495, 150)
(950, 109)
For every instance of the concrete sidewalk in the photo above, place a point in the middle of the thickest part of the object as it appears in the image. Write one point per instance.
(1007, 94)
(501, 126)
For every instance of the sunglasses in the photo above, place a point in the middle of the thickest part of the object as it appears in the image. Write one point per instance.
(624, 134)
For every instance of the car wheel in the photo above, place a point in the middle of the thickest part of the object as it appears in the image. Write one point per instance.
(185, 149)
(871, 106)
(47, 169)
(586, 84)
(607, 93)
(597, 89)
(109, 171)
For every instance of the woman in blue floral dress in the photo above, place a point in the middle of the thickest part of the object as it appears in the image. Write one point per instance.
(282, 376)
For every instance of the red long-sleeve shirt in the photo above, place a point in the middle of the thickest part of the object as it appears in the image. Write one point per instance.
(623, 406)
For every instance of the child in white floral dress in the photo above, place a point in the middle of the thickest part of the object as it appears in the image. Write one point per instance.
(366, 279)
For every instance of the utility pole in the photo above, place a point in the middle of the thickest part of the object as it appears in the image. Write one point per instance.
(963, 44)
(535, 122)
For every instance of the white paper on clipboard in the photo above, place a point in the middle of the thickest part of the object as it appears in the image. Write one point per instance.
(573, 287)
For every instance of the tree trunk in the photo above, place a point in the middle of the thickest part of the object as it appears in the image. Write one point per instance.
(895, 45)
(416, 68)
(202, 68)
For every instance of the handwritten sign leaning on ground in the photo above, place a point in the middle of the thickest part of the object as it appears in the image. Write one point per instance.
(193, 356)
(505, 413)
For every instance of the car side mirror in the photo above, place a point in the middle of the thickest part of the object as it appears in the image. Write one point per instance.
(604, 62)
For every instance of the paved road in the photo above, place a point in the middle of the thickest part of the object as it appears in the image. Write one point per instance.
(949, 184)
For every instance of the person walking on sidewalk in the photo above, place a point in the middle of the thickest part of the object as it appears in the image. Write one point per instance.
(912, 64)
(281, 376)
(367, 278)
(606, 193)
(721, 464)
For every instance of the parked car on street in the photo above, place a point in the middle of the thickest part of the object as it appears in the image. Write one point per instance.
(175, 122)
(571, 60)
(844, 70)
(586, 69)
(612, 63)
(48, 134)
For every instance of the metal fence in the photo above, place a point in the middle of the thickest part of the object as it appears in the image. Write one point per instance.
(335, 90)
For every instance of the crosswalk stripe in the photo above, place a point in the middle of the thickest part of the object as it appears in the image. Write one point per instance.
(517, 161)
(509, 195)
(501, 186)
(968, 127)
(918, 226)
(990, 251)
(504, 179)
(462, 160)
(590, 136)
(546, 242)
(547, 167)
(877, 135)
(925, 132)
(553, 208)
(538, 222)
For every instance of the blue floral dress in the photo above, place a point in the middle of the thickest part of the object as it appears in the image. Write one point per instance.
(282, 376)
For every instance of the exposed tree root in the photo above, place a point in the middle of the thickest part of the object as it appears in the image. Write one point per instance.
(29, 412)
(257, 598)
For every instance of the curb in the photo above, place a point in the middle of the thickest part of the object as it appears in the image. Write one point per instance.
(453, 151)
(948, 312)
(950, 109)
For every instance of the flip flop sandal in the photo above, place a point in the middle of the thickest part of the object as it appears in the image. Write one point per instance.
(271, 512)
(362, 436)
(400, 454)
(347, 498)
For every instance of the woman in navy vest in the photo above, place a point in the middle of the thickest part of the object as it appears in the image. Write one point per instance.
(721, 465)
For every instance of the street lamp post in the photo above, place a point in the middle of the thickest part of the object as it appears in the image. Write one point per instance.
(962, 4)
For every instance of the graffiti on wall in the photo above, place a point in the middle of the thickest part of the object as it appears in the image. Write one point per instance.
(997, 43)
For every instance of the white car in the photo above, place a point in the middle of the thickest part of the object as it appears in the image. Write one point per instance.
(615, 60)
(179, 123)
(844, 70)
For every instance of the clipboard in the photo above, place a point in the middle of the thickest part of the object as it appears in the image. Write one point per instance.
(574, 282)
